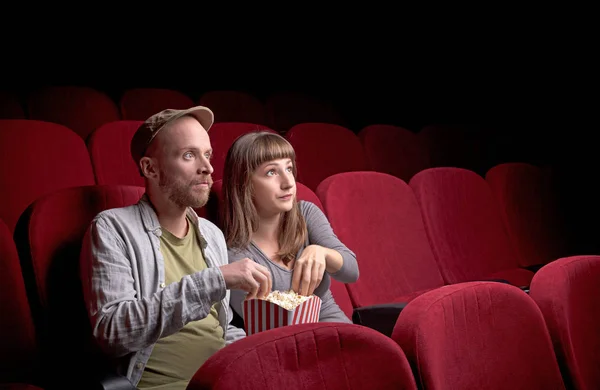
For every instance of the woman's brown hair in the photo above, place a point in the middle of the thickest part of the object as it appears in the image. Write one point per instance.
(240, 218)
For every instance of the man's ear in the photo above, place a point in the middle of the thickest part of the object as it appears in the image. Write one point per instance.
(148, 167)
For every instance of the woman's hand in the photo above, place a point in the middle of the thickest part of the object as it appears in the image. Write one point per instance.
(309, 269)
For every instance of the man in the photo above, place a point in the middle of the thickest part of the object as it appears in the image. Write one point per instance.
(155, 276)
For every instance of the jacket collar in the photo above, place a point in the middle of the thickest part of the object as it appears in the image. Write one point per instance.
(152, 224)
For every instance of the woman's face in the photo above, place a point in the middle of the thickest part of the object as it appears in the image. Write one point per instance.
(274, 187)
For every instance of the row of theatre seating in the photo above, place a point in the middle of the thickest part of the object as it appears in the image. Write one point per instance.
(104, 158)
(84, 109)
(455, 328)
(415, 237)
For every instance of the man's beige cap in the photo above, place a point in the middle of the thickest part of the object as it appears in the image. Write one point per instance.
(146, 133)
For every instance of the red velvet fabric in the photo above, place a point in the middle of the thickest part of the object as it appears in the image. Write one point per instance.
(138, 104)
(38, 158)
(318, 149)
(568, 294)
(310, 356)
(17, 335)
(81, 109)
(376, 216)
(465, 227)
(394, 150)
(529, 208)
(477, 335)
(234, 106)
(50, 235)
(109, 148)
(305, 193)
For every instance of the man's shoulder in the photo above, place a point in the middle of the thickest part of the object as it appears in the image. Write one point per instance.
(211, 233)
(125, 215)
(208, 228)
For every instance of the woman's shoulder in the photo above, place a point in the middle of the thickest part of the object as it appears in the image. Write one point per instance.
(306, 207)
(311, 212)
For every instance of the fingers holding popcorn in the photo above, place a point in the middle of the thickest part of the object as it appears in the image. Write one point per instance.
(248, 276)
(308, 270)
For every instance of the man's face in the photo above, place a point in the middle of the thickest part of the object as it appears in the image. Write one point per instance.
(183, 154)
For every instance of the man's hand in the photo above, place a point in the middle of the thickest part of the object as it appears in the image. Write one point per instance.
(248, 276)
(309, 270)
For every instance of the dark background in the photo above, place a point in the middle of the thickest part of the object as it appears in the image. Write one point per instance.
(532, 104)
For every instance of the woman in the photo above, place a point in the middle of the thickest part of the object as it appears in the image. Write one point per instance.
(264, 222)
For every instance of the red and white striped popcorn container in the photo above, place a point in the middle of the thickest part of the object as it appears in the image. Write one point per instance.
(261, 315)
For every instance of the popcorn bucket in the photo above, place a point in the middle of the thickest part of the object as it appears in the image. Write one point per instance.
(263, 314)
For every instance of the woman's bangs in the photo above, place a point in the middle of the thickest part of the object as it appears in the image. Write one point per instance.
(270, 147)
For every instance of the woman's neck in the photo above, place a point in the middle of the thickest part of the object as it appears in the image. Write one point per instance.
(267, 239)
(268, 229)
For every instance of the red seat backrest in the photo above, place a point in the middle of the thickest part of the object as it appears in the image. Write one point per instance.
(17, 334)
(323, 150)
(377, 217)
(568, 294)
(37, 158)
(477, 335)
(81, 109)
(308, 356)
(109, 148)
(465, 227)
(525, 195)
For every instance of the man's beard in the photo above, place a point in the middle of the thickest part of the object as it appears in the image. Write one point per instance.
(182, 194)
